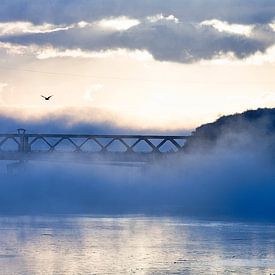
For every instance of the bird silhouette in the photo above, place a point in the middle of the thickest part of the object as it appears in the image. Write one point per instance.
(47, 97)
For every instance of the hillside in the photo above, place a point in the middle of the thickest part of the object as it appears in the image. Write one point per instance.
(257, 125)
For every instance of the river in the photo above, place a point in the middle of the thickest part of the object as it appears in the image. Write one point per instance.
(134, 245)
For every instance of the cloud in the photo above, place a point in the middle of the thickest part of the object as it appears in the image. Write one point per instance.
(17, 28)
(257, 58)
(56, 122)
(121, 23)
(165, 40)
(50, 52)
(47, 52)
(24, 27)
(16, 49)
(272, 25)
(167, 34)
(39, 11)
(161, 17)
(223, 26)
(76, 120)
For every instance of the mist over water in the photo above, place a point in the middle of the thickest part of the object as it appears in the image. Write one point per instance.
(235, 178)
(220, 183)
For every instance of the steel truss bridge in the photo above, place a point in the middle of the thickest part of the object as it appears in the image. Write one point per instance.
(97, 149)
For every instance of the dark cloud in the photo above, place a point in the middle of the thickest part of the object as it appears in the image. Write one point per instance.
(188, 43)
(166, 40)
(69, 11)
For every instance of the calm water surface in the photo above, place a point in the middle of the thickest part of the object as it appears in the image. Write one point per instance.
(134, 245)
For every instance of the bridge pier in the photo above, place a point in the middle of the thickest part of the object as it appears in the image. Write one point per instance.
(19, 166)
(23, 145)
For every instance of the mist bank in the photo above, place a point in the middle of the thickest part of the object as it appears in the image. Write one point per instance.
(65, 122)
(220, 185)
(231, 175)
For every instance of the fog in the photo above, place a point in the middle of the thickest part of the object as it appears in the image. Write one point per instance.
(233, 179)
(221, 183)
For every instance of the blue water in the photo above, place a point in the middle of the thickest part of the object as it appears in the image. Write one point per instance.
(133, 245)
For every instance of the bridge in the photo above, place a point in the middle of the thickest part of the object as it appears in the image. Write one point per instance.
(96, 149)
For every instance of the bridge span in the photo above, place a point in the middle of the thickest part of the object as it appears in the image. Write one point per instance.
(107, 149)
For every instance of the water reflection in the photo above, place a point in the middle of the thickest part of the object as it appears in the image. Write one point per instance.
(133, 244)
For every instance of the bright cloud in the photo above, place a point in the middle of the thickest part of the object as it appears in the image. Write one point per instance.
(46, 52)
(223, 26)
(82, 24)
(22, 27)
(50, 52)
(121, 23)
(258, 58)
(160, 17)
(14, 49)
(272, 26)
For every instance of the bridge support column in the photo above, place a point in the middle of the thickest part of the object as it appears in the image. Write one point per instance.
(23, 148)
(24, 145)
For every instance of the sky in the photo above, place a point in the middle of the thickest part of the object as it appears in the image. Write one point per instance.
(139, 64)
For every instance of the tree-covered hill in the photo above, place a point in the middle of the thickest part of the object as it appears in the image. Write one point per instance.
(253, 125)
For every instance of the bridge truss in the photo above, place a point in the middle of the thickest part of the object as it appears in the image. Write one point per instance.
(114, 149)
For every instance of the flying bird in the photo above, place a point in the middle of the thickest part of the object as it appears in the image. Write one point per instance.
(47, 97)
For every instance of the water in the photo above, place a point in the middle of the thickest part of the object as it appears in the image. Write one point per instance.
(133, 245)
